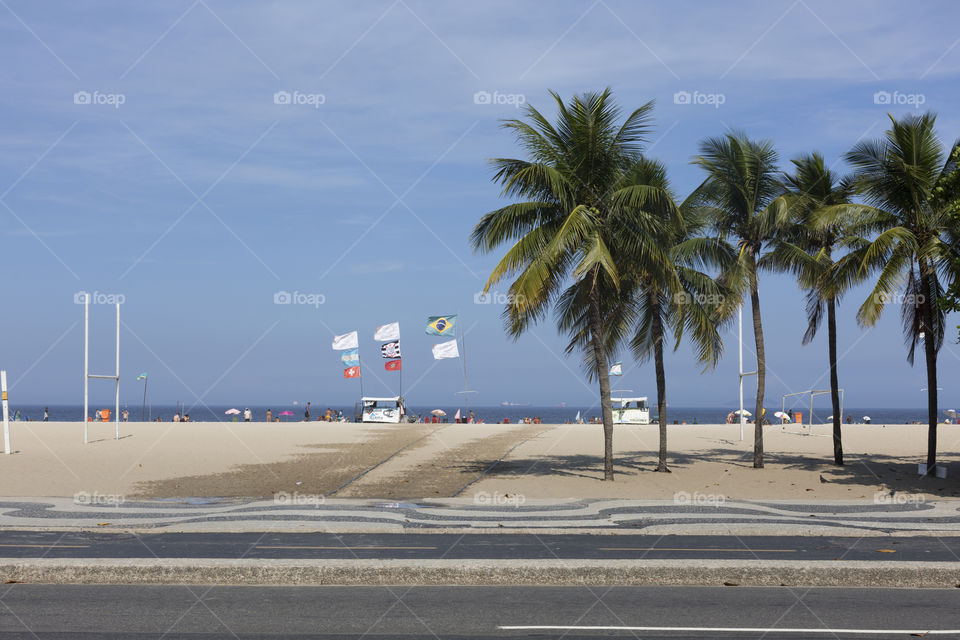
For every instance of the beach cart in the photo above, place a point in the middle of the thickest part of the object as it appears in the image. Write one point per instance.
(387, 410)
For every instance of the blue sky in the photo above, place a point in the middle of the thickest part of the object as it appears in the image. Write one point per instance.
(198, 197)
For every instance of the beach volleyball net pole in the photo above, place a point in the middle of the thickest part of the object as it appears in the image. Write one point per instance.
(87, 376)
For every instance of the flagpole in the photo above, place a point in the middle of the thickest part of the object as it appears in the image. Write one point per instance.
(143, 409)
(463, 356)
(360, 369)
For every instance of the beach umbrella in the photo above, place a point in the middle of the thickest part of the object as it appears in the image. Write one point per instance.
(232, 412)
(439, 412)
(951, 413)
(745, 412)
(782, 415)
(285, 413)
(866, 418)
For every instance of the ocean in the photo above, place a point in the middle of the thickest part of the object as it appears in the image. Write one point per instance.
(547, 414)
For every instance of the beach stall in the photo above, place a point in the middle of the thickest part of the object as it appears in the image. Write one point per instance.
(389, 410)
(630, 410)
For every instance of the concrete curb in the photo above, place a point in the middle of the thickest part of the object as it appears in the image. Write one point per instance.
(484, 572)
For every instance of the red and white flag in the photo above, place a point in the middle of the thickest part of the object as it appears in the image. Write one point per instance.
(351, 372)
(392, 365)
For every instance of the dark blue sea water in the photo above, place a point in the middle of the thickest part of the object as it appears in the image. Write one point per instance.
(550, 415)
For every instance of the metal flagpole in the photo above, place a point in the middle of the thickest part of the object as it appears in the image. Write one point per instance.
(86, 365)
(6, 413)
(740, 338)
(360, 367)
(116, 406)
(463, 355)
(742, 373)
(143, 410)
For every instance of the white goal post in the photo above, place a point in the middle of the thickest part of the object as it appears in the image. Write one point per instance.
(87, 376)
(812, 393)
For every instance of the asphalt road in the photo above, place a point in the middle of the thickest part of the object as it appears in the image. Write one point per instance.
(43, 612)
(53, 544)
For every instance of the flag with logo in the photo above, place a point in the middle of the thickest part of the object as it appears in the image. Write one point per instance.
(142, 376)
(617, 369)
(392, 365)
(441, 325)
(390, 350)
(386, 332)
(346, 341)
(351, 372)
(351, 357)
(446, 350)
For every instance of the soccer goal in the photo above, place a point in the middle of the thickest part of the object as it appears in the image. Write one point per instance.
(811, 394)
(87, 376)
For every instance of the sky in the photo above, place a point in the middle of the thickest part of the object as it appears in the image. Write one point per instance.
(194, 159)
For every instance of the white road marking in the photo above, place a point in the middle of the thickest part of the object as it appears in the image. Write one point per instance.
(873, 632)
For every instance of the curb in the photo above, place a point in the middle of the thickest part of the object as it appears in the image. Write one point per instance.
(484, 573)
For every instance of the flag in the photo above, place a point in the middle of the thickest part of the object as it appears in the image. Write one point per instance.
(391, 349)
(387, 332)
(351, 357)
(446, 350)
(617, 369)
(457, 417)
(351, 372)
(441, 325)
(142, 376)
(346, 341)
(577, 419)
(392, 365)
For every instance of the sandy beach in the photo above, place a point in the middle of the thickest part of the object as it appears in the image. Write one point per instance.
(348, 460)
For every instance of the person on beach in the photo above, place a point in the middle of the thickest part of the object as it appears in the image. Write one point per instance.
(176, 417)
(269, 415)
(306, 413)
(126, 415)
(46, 414)
(247, 415)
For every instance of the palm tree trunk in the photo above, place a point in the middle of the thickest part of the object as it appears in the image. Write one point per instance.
(930, 349)
(761, 367)
(834, 382)
(657, 329)
(600, 358)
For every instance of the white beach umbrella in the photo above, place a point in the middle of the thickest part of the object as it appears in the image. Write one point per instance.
(866, 418)
(951, 413)
(439, 412)
(745, 412)
(782, 415)
(232, 412)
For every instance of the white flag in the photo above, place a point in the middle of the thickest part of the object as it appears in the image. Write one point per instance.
(346, 341)
(457, 417)
(446, 350)
(387, 332)
(616, 370)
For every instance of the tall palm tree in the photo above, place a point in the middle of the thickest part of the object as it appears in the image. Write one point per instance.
(741, 191)
(658, 297)
(808, 248)
(564, 229)
(900, 176)
(684, 298)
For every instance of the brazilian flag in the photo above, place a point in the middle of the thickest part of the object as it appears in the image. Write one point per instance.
(441, 325)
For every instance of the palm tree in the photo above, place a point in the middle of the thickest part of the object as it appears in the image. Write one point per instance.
(564, 228)
(808, 249)
(741, 191)
(900, 177)
(683, 298)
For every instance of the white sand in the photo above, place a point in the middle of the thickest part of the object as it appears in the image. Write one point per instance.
(564, 461)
